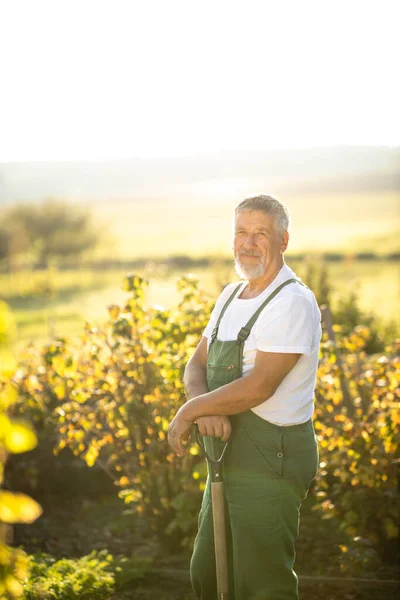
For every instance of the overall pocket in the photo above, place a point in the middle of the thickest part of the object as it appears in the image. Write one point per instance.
(302, 458)
(269, 447)
(219, 375)
(251, 454)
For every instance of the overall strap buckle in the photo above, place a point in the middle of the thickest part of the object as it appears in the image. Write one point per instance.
(243, 335)
(214, 335)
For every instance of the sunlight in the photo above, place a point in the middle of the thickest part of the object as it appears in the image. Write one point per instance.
(167, 79)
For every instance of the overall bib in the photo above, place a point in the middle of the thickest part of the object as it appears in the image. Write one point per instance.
(267, 472)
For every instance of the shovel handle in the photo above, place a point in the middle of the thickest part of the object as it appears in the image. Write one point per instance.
(221, 562)
(214, 466)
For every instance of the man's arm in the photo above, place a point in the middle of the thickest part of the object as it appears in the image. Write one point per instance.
(194, 378)
(195, 382)
(269, 370)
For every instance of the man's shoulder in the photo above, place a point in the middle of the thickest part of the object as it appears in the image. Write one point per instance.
(294, 295)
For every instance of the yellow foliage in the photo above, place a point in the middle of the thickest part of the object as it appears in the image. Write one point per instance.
(8, 395)
(5, 425)
(59, 391)
(13, 586)
(365, 435)
(124, 385)
(19, 437)
(91, 455)
(18, 508)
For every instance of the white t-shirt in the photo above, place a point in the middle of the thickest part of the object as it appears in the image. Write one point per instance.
(291, 322)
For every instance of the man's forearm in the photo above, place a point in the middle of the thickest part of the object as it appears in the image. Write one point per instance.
(230, 399)
(195, 380)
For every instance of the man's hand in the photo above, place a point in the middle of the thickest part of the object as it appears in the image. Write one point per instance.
(219, 427)
(178, 432)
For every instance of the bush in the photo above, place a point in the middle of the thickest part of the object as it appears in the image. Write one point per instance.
(346, 311)
(92, 577)
(16, 436)
(357, 422)
(348, 315)
(110, 400)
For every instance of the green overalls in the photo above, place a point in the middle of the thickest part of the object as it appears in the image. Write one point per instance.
(267, 471)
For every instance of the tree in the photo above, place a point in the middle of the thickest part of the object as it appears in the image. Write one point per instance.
(4, 243)
(50, 229)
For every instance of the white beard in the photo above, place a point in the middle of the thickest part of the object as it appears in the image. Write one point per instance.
(249, 271)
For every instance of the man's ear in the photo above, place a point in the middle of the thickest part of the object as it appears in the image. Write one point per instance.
(285, 241)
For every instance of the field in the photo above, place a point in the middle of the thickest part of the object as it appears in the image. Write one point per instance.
(352, 221)
(58, 302)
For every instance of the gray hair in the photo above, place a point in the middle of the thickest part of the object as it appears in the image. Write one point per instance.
(270, 206)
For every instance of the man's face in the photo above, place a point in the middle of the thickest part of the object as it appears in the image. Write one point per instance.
(256, 244)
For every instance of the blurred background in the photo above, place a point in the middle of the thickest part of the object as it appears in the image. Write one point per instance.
(71, 229)
(129, 131)
(129, 135)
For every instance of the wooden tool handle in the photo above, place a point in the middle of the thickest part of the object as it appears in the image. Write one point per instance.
(221, 558)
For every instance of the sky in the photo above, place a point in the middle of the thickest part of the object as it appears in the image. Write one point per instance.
(91, 80)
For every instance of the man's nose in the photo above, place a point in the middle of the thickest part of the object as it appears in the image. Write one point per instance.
(250, 241)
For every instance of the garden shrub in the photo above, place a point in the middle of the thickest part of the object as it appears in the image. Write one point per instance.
(346, 310)
(93, 577)
(348, 315)
(358, 426)
(16, 436)
(110, 398)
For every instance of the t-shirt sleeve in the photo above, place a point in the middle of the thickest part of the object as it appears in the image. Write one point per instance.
(219, 305)
(286, 327)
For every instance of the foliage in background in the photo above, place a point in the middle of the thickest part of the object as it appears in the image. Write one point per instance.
(315, 276)
(96, 576)
(8, 332)
(45, 230)
(110, 400)
(357, 422)
(56, 301)
(8, 328)
(16, 436)
(346, 310)
(349, 315)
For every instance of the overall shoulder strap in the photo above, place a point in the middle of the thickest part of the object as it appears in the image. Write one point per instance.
(221, 314)
(245, 331)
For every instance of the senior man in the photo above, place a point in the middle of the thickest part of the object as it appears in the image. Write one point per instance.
(252, 378)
